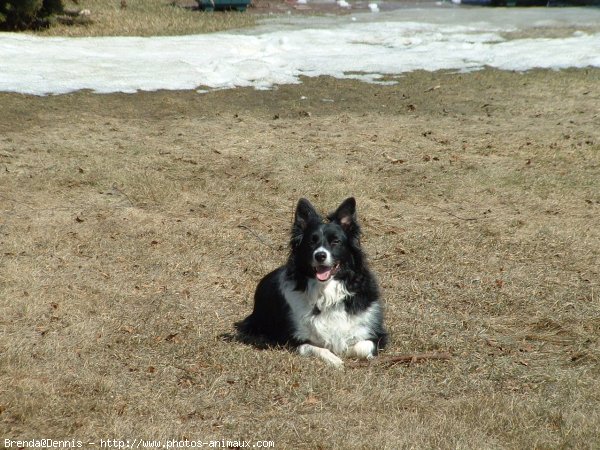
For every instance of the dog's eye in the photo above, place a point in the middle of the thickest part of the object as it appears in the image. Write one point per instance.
(336, 241)
(314, 238)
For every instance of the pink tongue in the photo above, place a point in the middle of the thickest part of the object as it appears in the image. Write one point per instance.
(323, 273)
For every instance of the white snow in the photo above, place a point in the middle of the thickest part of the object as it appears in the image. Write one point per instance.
(364, 46)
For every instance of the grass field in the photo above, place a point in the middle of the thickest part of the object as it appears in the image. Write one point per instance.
(147, 18)
(134, 228)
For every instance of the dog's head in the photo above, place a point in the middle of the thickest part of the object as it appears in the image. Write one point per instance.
(322, 248)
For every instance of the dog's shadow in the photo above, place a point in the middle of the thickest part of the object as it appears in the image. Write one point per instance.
(257, 342)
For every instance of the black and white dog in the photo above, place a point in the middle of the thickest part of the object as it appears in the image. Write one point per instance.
(325, 300)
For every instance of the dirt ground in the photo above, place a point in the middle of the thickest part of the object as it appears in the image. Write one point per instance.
(134, 228)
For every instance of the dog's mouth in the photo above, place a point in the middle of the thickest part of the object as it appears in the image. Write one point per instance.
(324, 273)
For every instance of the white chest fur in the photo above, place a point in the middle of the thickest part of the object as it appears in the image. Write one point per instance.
(320, 317)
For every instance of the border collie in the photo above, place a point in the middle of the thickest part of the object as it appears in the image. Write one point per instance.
(325, 300)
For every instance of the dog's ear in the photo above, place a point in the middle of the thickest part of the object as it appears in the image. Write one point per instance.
(345, 214)
(305, 214)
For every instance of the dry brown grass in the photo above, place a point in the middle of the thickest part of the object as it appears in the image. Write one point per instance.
(128, 247)
(148, 18)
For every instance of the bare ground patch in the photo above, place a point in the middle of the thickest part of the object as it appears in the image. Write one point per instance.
(133, 229)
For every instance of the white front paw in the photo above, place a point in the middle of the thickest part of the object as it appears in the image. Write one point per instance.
(332, 359)
(363, 350)
(323, 353)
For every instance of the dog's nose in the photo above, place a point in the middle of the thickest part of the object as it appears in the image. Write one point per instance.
(320, 256)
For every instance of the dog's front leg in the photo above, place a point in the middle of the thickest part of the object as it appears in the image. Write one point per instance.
(323, 353)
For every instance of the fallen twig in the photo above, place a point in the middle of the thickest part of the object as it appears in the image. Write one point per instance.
(257, 236)
(454, 215)
(121, 192)
(407, 358)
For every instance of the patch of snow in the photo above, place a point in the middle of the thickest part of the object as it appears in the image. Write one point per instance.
(364, 46)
